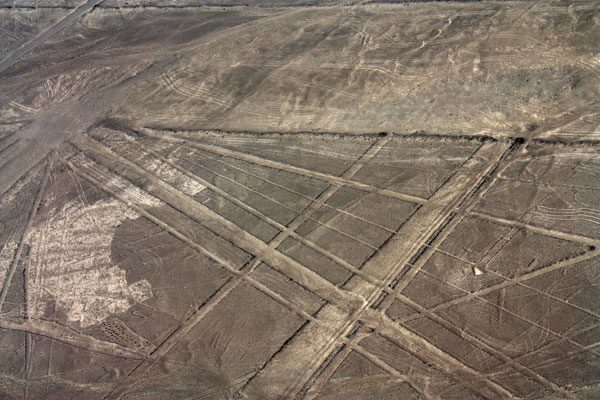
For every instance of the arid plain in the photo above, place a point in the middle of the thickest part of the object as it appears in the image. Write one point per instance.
(299, 200)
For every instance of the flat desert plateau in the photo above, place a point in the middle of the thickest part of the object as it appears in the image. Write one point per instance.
(299, 199)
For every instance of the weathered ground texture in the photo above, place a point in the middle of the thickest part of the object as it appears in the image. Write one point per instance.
(196, 202)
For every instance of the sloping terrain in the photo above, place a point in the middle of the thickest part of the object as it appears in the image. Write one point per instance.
(372, 201)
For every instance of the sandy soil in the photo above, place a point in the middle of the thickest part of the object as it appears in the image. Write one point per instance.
(374, 201)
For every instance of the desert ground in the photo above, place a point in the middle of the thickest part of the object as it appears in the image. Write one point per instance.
(299, 199)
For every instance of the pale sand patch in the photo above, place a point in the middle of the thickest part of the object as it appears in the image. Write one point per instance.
(6, 257)
(187, 185)
(70, 264)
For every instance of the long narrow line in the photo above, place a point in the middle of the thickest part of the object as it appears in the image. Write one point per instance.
(480, 298)
(97, 150)
(218, 224)
(19, 52)
(316, 202)
(487, 348)
(332, 189)
(482, 292)
(383, 267)
(191, 321)
(453, 221)
(28, 336)
(25, 236)
(287, 167)
(323, 204)
(334, 298)
(326, 225)
(518, 281)
(58, 332)
(537, 229)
